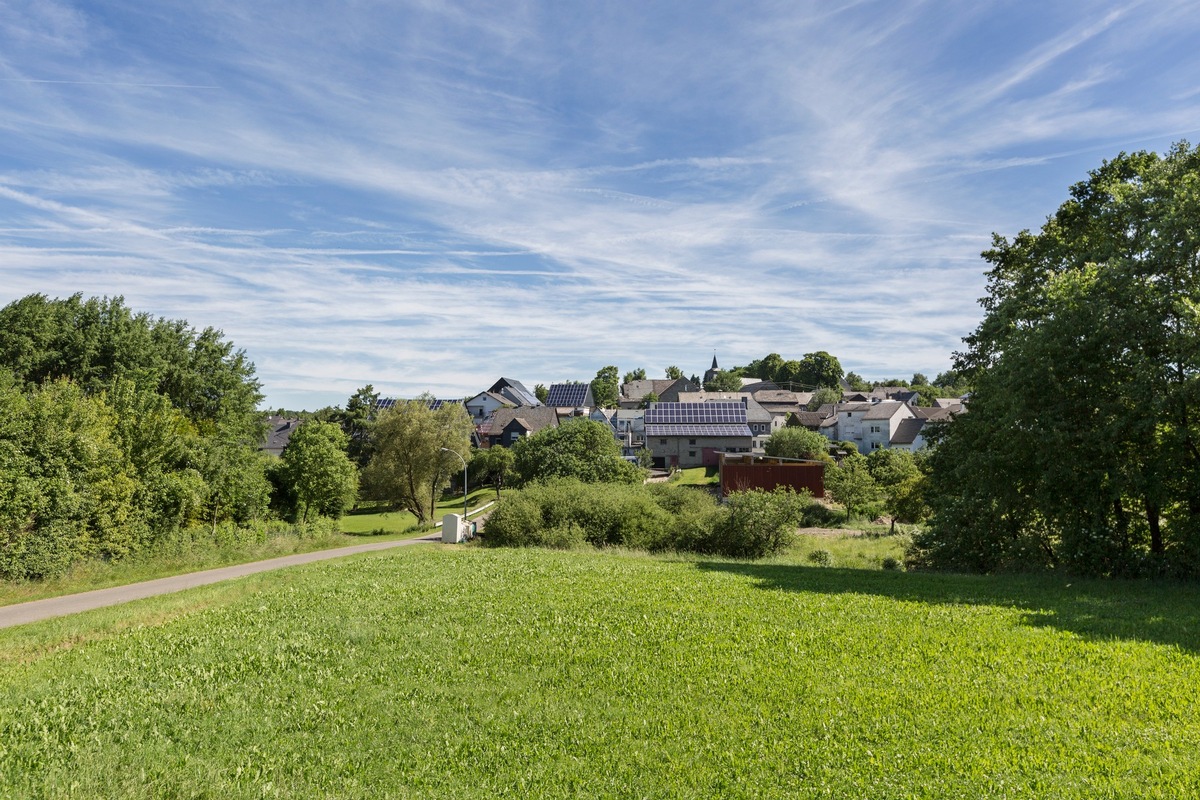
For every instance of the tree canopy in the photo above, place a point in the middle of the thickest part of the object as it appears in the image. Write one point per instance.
(578, 448)
(408, 466)
(797, 443)
(605, 389)
(1081, 448)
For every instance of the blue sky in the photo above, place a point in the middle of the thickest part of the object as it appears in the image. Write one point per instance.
(427, 195)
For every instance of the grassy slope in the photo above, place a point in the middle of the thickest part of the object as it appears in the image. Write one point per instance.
(465, 672)
(382, 526)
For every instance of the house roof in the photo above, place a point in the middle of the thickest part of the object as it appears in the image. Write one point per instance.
(515, 391)
(569, 395)
(715, 419)
(532, 418)
(501, 399)
(908, 430)
(885, 410)
(636, 390)
(809, 419)
(936, 413)
(279, 431)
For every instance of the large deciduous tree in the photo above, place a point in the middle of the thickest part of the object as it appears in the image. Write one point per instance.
(1081, 448)
(322, 478)
(408, 467)
(605, 388)
(579, 448)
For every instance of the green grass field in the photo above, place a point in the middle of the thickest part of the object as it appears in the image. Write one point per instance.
(471, 672)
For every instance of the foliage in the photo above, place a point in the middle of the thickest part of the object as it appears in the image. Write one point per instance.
(826, 395)
(408, 467)
(850, 483)
(578, 448)
(1098, 471)
(724, 381)
(98, 342)
(605, 389)
(541, 392)
(648, 399)
(797, 443)
(674, 372)
(856, 382)
(316, 468)
(358, 423)
(493, 465)
(638, 374)
(755, 524)
(570, 513)
(118, 430)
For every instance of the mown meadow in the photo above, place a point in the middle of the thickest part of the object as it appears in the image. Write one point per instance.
(482, 672)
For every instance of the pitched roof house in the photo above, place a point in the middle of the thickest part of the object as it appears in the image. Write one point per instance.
(507, 425)
(691, 434)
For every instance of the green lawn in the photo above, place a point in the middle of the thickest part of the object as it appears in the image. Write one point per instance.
(369, 521)
(472, 672)
(697, 476)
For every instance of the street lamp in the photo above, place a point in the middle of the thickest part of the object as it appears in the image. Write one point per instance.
(460, 458)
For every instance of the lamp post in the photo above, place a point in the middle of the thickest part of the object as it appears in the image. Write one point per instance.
(460, 458)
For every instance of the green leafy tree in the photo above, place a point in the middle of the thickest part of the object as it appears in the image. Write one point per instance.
(797, 443)
(898, 475)
(824, 396)
(674, 372)
(579, 448)
(725, 381)
(493, 465)
(635, 375)
(541, 392)
(408, 467)
(856, 382)
(648, 400)
(1098, 471)
(322, 478)
(850, 483)
(605, 388)
(819, 369)
(358, 423)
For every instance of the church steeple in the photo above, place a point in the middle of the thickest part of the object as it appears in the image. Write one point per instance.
(714, 366)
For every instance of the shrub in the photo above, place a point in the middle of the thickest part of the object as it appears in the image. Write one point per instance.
(891, 563)
(757, 523)
(822, 558)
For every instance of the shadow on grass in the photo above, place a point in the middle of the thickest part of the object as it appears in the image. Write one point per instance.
(1162, 612)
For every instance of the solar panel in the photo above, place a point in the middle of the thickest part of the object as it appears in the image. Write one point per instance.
(717, 412)
(716, 429)
(567, 395)
(385, 402)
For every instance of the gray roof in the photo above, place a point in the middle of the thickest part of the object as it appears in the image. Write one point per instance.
(531, 418)
(908, 430)
(884, 410)
(279, 431)
(515, 391)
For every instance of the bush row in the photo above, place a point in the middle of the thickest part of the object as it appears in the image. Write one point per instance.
(568, 513)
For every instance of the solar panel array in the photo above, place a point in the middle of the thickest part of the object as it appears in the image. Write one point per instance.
(727, 412)
(718, 418)
(567, 395)
(727, 429)
(384, 403)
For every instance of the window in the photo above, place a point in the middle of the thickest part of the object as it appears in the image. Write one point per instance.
(691, 441)
(874, 429)
(662, 441)
(691, 453)
(874, 445)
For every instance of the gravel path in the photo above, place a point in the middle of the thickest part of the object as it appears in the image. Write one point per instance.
(36, 610)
